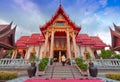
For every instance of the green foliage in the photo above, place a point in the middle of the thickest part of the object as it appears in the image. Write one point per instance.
(81, 64)
(117, 56)
(8, 52)
(43, 64)
(33, 57)
(18, 55)
(78, 60)
(88, 56)
(8, 75)
(84, 67)
(106, 54)
(114, 76)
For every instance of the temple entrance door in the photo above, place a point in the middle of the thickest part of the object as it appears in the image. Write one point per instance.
(58, 54)
(63, 52)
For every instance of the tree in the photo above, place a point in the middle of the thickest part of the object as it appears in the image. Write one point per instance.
(106, 54)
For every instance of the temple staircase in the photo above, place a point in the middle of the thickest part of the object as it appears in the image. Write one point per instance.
(58, 71)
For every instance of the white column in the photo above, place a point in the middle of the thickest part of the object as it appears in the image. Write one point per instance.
(13, 54)
(46, 41)
(51, 46)
(39, 51)
(74, 44)
(68, 45)
(59, 56)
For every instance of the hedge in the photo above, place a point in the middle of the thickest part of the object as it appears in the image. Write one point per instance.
(4, 75)
(114, 76)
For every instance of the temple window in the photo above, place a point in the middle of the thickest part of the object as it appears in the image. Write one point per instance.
(60, 24)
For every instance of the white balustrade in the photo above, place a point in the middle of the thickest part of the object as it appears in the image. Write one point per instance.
(15, 62)
(108, 63)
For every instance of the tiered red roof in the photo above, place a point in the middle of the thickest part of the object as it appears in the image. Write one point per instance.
(22, 41)
(115, 36)
(94, 41)
(84, 39)
(30, 40)
(7, 42)
(58, 12)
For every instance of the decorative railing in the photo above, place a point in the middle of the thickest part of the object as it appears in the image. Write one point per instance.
(15, 62)
(107, 63)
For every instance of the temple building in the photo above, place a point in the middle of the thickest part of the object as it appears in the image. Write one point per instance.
(115, 38)
(7, 38)
(59, 36)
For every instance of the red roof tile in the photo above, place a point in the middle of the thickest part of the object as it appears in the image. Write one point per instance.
(94, 41)
(35, 39)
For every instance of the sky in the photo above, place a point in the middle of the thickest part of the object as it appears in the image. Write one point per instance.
(94, 16)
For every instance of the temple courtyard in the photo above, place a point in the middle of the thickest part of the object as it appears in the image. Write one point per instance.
(59, 73)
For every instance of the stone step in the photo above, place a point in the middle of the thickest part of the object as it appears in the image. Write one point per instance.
(58, 71)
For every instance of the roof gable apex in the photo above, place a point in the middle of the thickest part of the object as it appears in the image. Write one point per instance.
(60, 11)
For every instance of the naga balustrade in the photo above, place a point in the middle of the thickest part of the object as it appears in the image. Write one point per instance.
(15, 62)
(107, 63)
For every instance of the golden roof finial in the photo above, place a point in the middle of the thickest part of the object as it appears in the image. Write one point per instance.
(60, 2)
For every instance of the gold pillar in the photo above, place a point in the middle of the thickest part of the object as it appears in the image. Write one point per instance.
(52, 41)
(46, 41)
(74, 44)
(68, 45)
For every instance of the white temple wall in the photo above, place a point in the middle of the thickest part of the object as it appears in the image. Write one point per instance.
(91, 52)
(41, 51)
(81, 50)
(30, 47)
(78, 51)
(37, 50)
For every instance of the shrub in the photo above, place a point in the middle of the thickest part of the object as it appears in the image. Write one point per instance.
(81, 64)
(114, 76)
(78, 60)
(43, 64)
(83, 67)
(8, 75)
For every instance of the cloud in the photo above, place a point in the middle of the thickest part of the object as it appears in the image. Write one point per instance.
(105, 36)
(103, 2)
(30, 9)
(3, 21)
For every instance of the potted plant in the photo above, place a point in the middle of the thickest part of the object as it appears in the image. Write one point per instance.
(32, 69)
